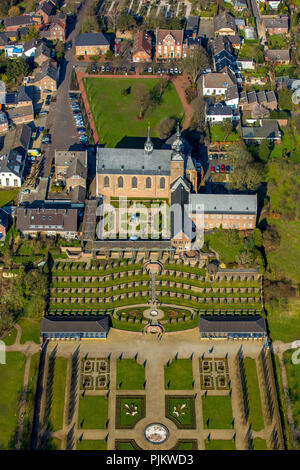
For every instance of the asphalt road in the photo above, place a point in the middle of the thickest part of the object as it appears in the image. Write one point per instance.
(60, 120)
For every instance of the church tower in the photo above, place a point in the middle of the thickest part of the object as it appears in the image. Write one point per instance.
(177, 157)
(148, 147)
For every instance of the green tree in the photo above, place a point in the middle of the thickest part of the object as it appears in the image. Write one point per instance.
(16, 69)
(285, 99)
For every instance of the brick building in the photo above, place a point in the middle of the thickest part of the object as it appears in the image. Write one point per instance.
(91, 44)
(142, 47)
(48, 221)
(231, 211)
(169, 44)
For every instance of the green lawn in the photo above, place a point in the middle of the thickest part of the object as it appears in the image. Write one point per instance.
(91, 445)
(7, 195)
(219, 445)
(115, 116)
(31, 329)
(284, 320)
(10, 338)
(126, 445)
(11, 380)
(293, 376)
(30, 399)
(53, 444)
(255, 412)
(130, 375)
(281, 264)
(217, 134)
(58, 394)
(259, 444)
(179, 375)
(129, 411)
(182, 411)
(228, 245)
(93, 412)
(217, 412)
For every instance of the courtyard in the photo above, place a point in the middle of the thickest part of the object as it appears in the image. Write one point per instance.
(115, 113)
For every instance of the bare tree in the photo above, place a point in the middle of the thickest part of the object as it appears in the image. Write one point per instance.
(195, 63)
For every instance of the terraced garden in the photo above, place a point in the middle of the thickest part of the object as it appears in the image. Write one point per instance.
(87, 289)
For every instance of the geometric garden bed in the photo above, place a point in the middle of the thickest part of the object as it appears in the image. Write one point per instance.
(181, 410)
(129, 410)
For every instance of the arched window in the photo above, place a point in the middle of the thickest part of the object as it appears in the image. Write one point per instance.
(162, 183)
(106, 181)
(134, 182)
(148, 182)
(120, 182)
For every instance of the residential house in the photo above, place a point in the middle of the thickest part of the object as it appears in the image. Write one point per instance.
(4, 223)
(56, 29)
(242, 328)
(21, 115)
(245, 64)
(283, 82)
(219, 112)
(22, 97)
(91, 44)
(267, 130)
(231, 211)
(4, 40)
(46, 78)
(274, 4)
(277, 25)
(45, 11)
(13, 157)
(190, 46)
(192, 26)
(249, 99)
(235, 41)
(169, 44)
(217, 83)
(3, 123)
(48, 221)
(13, 23)
(65, 158)
(42, 53)
(14, 50)
(29, 47)
(232, 96)
(277, 56)
(224, 24)
(239, 5)
(224, 59)
(142, 47)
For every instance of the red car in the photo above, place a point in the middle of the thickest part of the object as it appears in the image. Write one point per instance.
(222, 169)
(212, 169)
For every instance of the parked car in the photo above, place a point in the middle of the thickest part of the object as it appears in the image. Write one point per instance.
(218, 169)
(212, 169)
(222, 169)
(232, 168)
(48, 99)
(132, 68)
(69, 46)
(227, 169)
(94, 68)
(210, 156)
(103, 68)
(150, 69)
(43, 113)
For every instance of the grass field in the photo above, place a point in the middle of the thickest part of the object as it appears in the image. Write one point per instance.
(179, 375)
(219, 445)
(130, 375)
(217, 412)
(282, 404)
(31, 329)
(255, 411)
(91, 445)
(284, 320)
(259, 444)
(228, 245)
(293, 376)
(284, 261)
(58, 394)
(11, 379)
(115, 116)
(8, 195)
(93, 412)
(10, 338)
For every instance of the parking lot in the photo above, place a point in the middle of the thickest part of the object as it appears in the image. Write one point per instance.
(162, 68)
(220, 162)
